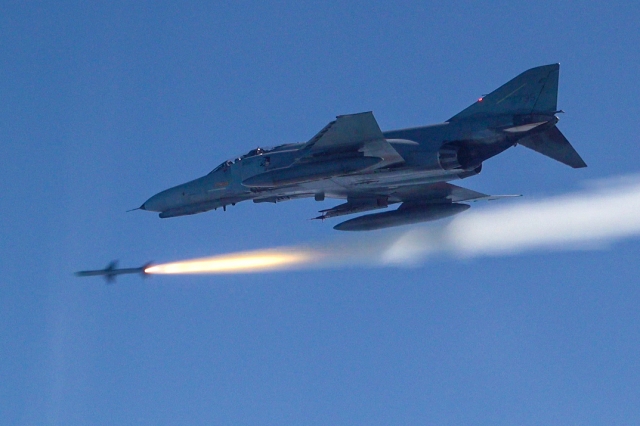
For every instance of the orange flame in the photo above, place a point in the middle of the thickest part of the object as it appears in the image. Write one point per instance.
(244, 262)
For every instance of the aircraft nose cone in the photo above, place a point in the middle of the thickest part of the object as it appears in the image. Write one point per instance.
(176, 197)
(155, 203)
(165, 200)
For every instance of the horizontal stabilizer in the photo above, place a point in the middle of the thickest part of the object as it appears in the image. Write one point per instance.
(553, 144)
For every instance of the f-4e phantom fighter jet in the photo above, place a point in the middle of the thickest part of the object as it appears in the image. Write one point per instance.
(353, 160)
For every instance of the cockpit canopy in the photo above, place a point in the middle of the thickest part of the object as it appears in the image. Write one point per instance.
(254, 152)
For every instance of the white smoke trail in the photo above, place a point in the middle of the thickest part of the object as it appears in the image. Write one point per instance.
(607, 212)
(603, 213)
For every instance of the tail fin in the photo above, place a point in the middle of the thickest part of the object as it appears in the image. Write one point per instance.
(553, 144)
(109, 277)
(533, 91)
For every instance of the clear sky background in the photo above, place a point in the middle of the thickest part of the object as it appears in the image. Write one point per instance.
(102, 106)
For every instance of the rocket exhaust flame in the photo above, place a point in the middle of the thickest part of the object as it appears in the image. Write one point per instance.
(255, 261)
(604, 213)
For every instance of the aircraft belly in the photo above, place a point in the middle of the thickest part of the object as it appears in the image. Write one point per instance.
(394, 179)
(381, 182)
(327, 186)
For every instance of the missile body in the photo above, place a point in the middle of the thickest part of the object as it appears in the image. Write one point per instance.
(404, 215)
(111, 272)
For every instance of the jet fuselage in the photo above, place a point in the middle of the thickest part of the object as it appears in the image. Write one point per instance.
(352, 159)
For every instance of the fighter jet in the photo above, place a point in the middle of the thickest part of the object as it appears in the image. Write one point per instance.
(353, 160)
(111, 271)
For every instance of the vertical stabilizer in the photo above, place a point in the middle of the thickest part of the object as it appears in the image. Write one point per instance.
(533, 91)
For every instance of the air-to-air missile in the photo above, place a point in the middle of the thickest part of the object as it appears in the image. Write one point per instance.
(111, 271)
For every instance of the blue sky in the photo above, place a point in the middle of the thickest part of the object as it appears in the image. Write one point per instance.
(105, 105)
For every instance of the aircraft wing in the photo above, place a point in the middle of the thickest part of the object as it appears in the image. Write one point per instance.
(440, 192)
(436, 193)
(353, 132)
(346, 131)
(445, 192)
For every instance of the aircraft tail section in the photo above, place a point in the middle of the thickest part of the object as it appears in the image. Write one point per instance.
(533, 91)
(552, 143)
